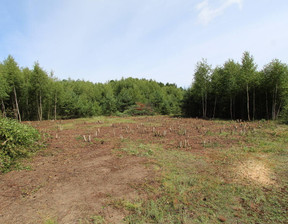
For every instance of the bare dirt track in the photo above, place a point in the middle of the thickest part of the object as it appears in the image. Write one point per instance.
(73, 180)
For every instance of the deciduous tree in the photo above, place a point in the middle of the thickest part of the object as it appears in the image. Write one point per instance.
(248, 71)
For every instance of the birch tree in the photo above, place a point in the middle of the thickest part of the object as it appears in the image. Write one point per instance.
(39, 84)
(276, 78)
(3, 93)
(12, 74)
(201, 83)
(248, 70)
(231, 70)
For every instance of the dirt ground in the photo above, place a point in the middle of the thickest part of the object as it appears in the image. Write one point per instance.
(73, 179)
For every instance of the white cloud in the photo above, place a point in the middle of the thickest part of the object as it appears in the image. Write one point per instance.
(207, 12)
(103, 40)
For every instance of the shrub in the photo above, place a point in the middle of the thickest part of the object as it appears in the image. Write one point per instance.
(139, 109)
(16, 140)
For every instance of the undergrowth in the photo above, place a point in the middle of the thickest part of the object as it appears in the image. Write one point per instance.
(16, 141)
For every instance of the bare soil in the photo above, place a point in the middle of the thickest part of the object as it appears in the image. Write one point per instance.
(256, 171)
(74, 179)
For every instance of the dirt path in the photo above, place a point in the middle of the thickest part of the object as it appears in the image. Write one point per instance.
(72, 180)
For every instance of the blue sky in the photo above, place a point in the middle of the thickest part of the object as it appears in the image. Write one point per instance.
(101, 40)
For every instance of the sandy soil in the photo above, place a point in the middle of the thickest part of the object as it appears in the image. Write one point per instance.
(255, 171)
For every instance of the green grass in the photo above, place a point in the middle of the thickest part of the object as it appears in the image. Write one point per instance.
(138, 149)
(95, 219)
(50, 221)
(106, 120)
(205, 189)
(92, 122)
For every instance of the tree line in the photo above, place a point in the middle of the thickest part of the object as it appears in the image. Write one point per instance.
(238, 90)
(231, 91)
(34, 94)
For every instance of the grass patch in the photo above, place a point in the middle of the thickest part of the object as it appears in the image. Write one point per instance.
(206, 189)
(50, 221)
(137, 149)
(106, 120)
(95, 219)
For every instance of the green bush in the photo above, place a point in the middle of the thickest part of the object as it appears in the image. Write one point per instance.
(16, 140)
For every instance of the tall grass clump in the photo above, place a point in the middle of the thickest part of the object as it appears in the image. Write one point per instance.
(16, 141)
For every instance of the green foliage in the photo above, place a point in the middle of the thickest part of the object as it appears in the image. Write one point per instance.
(3, 87)
(108, 101)
(238, 91)
(12, 73)
(42, 96)
(16, 140)
(275, 77)
(234, 90)
(248, 69)
(202, 77)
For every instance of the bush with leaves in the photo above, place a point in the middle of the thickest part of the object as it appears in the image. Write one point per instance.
(16, 140)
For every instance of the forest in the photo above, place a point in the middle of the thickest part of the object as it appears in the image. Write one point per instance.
(238, 90)
(231, 91)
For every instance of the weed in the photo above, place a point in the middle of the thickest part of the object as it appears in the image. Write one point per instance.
(51, 221)
(97, 219)
(138, 150)
(79, 138)
(19, 166)
(128, 205)
(30, 191)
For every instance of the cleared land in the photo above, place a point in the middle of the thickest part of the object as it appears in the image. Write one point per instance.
(151, 170)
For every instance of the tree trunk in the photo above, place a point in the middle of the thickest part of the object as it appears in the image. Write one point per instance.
(278, 111)
(203, 106)
(17, 107)
(55, 107)
(215, 103)
(274, 103)
(248, 102)
(231, 107)
(40, 107)
(27, 108)
(234, 111)
(48, 113)
(254, 106)
(267, 109)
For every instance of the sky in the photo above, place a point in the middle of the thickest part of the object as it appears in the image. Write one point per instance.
(162, 40)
